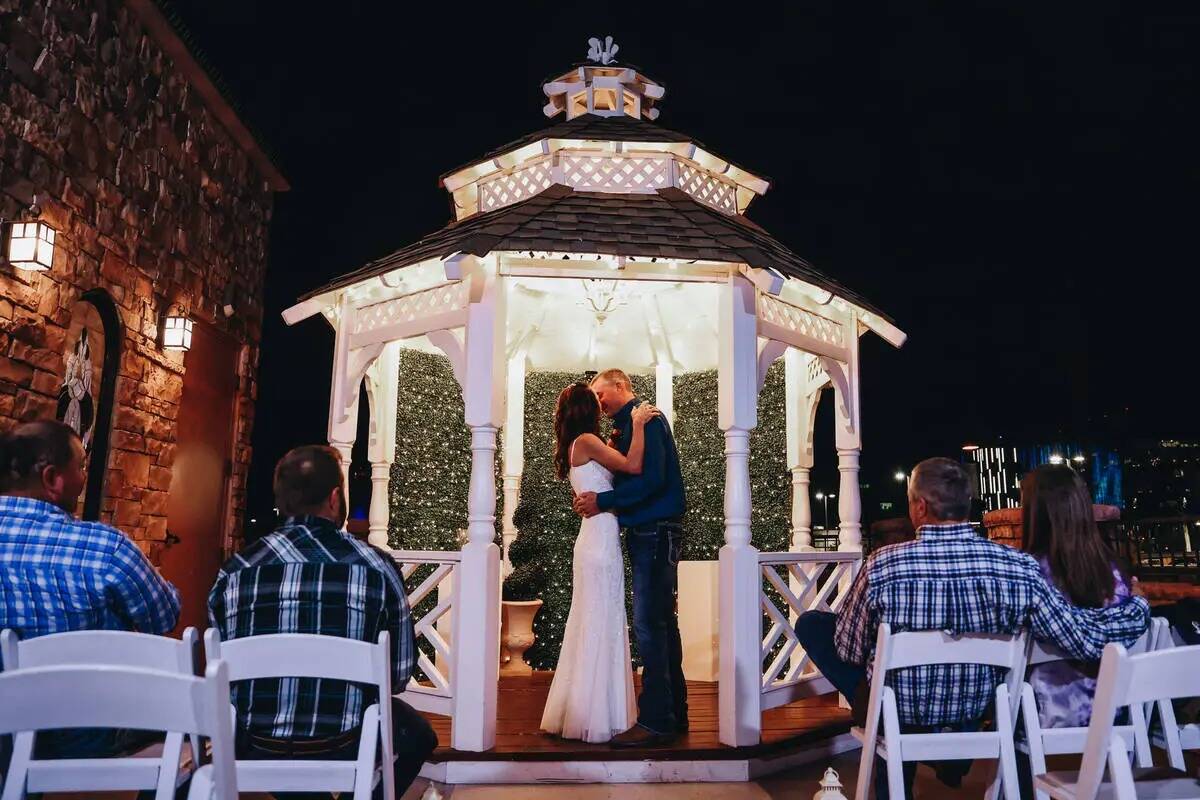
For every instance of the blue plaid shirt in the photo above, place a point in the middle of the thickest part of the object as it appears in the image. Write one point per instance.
(58, 574)
(310, 577)
(951, 579)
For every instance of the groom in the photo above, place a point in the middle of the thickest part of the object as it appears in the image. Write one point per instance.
(650, 509)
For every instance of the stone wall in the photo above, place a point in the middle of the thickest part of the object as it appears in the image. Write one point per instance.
(153, 202)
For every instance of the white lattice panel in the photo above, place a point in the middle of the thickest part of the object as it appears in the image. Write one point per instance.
(800, 321)
(412, 307)
(505, 190)
(707, 188)
(615, 172)
(791, 587)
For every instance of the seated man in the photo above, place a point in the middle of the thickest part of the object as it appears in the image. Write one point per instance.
(58, 573)
(950, 578)
(310, 576)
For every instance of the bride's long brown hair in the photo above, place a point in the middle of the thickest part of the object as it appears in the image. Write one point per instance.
(577, 413)
(1059, 526)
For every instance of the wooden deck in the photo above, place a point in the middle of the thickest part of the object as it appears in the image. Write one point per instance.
(520, 711)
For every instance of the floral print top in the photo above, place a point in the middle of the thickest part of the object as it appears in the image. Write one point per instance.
(1064, 689)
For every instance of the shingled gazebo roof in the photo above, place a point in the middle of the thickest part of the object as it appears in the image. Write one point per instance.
(667, 224)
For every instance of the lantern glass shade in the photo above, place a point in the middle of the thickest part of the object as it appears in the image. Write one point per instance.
(31, 246)
(177, 333)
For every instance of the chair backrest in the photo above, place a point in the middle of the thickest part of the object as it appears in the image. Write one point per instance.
(105, 696)
(915, 648)
(115, 648)
(1161, 676)
(302, 655)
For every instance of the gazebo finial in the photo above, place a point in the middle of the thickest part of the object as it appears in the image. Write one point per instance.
(606, 55)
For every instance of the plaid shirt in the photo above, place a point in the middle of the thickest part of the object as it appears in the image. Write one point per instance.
(951, 579)
(58, 574)
(309, 577)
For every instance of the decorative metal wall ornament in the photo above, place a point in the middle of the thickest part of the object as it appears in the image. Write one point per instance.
(76, 406)
(605, 55)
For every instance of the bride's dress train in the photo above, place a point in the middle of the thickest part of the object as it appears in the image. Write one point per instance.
(591, 697)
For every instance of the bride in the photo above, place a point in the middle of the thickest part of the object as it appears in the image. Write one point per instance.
(591, 697)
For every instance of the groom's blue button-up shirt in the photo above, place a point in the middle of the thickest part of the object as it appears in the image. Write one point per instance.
(656, 494)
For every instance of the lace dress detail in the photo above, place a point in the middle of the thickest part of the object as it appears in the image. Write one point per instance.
(591, 696)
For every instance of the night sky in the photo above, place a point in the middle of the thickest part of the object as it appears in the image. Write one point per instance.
(1016, 187)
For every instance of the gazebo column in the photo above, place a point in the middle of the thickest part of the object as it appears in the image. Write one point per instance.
(514, 449)
(343, 398)
(382, 379)
(848, 438)
(801, 404)
(477, 643)
(740, 694)
(664, 391)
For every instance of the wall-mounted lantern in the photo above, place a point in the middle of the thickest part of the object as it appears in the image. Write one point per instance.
(177, 333)
(30, 242)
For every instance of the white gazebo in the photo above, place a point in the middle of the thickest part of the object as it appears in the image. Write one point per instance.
(600, 241)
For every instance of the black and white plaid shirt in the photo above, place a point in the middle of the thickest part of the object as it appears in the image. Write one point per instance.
(951, 579)
(309, 577)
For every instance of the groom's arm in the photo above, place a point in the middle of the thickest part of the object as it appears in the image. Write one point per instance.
(634, 489)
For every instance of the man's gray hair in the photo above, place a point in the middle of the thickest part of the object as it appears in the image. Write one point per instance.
(945, 486)
(614, 376)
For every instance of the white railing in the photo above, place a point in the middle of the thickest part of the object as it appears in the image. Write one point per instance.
(801, 582)
(431, 688)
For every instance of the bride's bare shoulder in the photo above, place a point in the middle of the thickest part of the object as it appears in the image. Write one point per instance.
(584, 449)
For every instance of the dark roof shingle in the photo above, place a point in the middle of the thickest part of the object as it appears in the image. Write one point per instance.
(667, 224)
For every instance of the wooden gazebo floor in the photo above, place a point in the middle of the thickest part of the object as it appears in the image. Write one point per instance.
(523, 697)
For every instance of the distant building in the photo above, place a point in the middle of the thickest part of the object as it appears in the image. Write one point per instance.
(997, 471)
(998, 476)
(1162, 478)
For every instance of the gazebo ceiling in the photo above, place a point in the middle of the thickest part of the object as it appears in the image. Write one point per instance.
(574, 325)
(667, 224)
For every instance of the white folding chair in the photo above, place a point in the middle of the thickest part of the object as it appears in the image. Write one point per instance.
(102, 696)
(1126, 680)
(296, 655)
(911, 649)
(1189, 734)
(118, 649)
(1041, 742)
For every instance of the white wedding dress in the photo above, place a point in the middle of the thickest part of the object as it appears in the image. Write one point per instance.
(591, 697)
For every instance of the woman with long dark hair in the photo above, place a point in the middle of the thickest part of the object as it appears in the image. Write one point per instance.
(591, 697)
(1060, 532)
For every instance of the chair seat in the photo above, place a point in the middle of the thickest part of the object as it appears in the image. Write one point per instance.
(1070, 741)
(1153, 783)
(295, 776)
(951, 746)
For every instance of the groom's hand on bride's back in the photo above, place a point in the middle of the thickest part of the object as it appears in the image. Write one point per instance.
(585, 504)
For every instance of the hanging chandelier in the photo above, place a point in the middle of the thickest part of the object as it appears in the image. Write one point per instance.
(604, 296)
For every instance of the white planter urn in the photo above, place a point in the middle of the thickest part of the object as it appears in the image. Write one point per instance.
(518, 635)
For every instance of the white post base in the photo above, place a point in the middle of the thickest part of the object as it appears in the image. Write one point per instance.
(477, 659)
(740, 689)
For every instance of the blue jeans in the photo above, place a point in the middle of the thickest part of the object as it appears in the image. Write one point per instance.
(654, 556)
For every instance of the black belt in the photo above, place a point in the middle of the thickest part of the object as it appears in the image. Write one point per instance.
(289, 747)
(655, 526)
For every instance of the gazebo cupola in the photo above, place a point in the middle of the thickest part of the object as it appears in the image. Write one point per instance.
(606, 143)
(603, 88)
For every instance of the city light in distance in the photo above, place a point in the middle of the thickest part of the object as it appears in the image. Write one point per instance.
(1056, 459)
